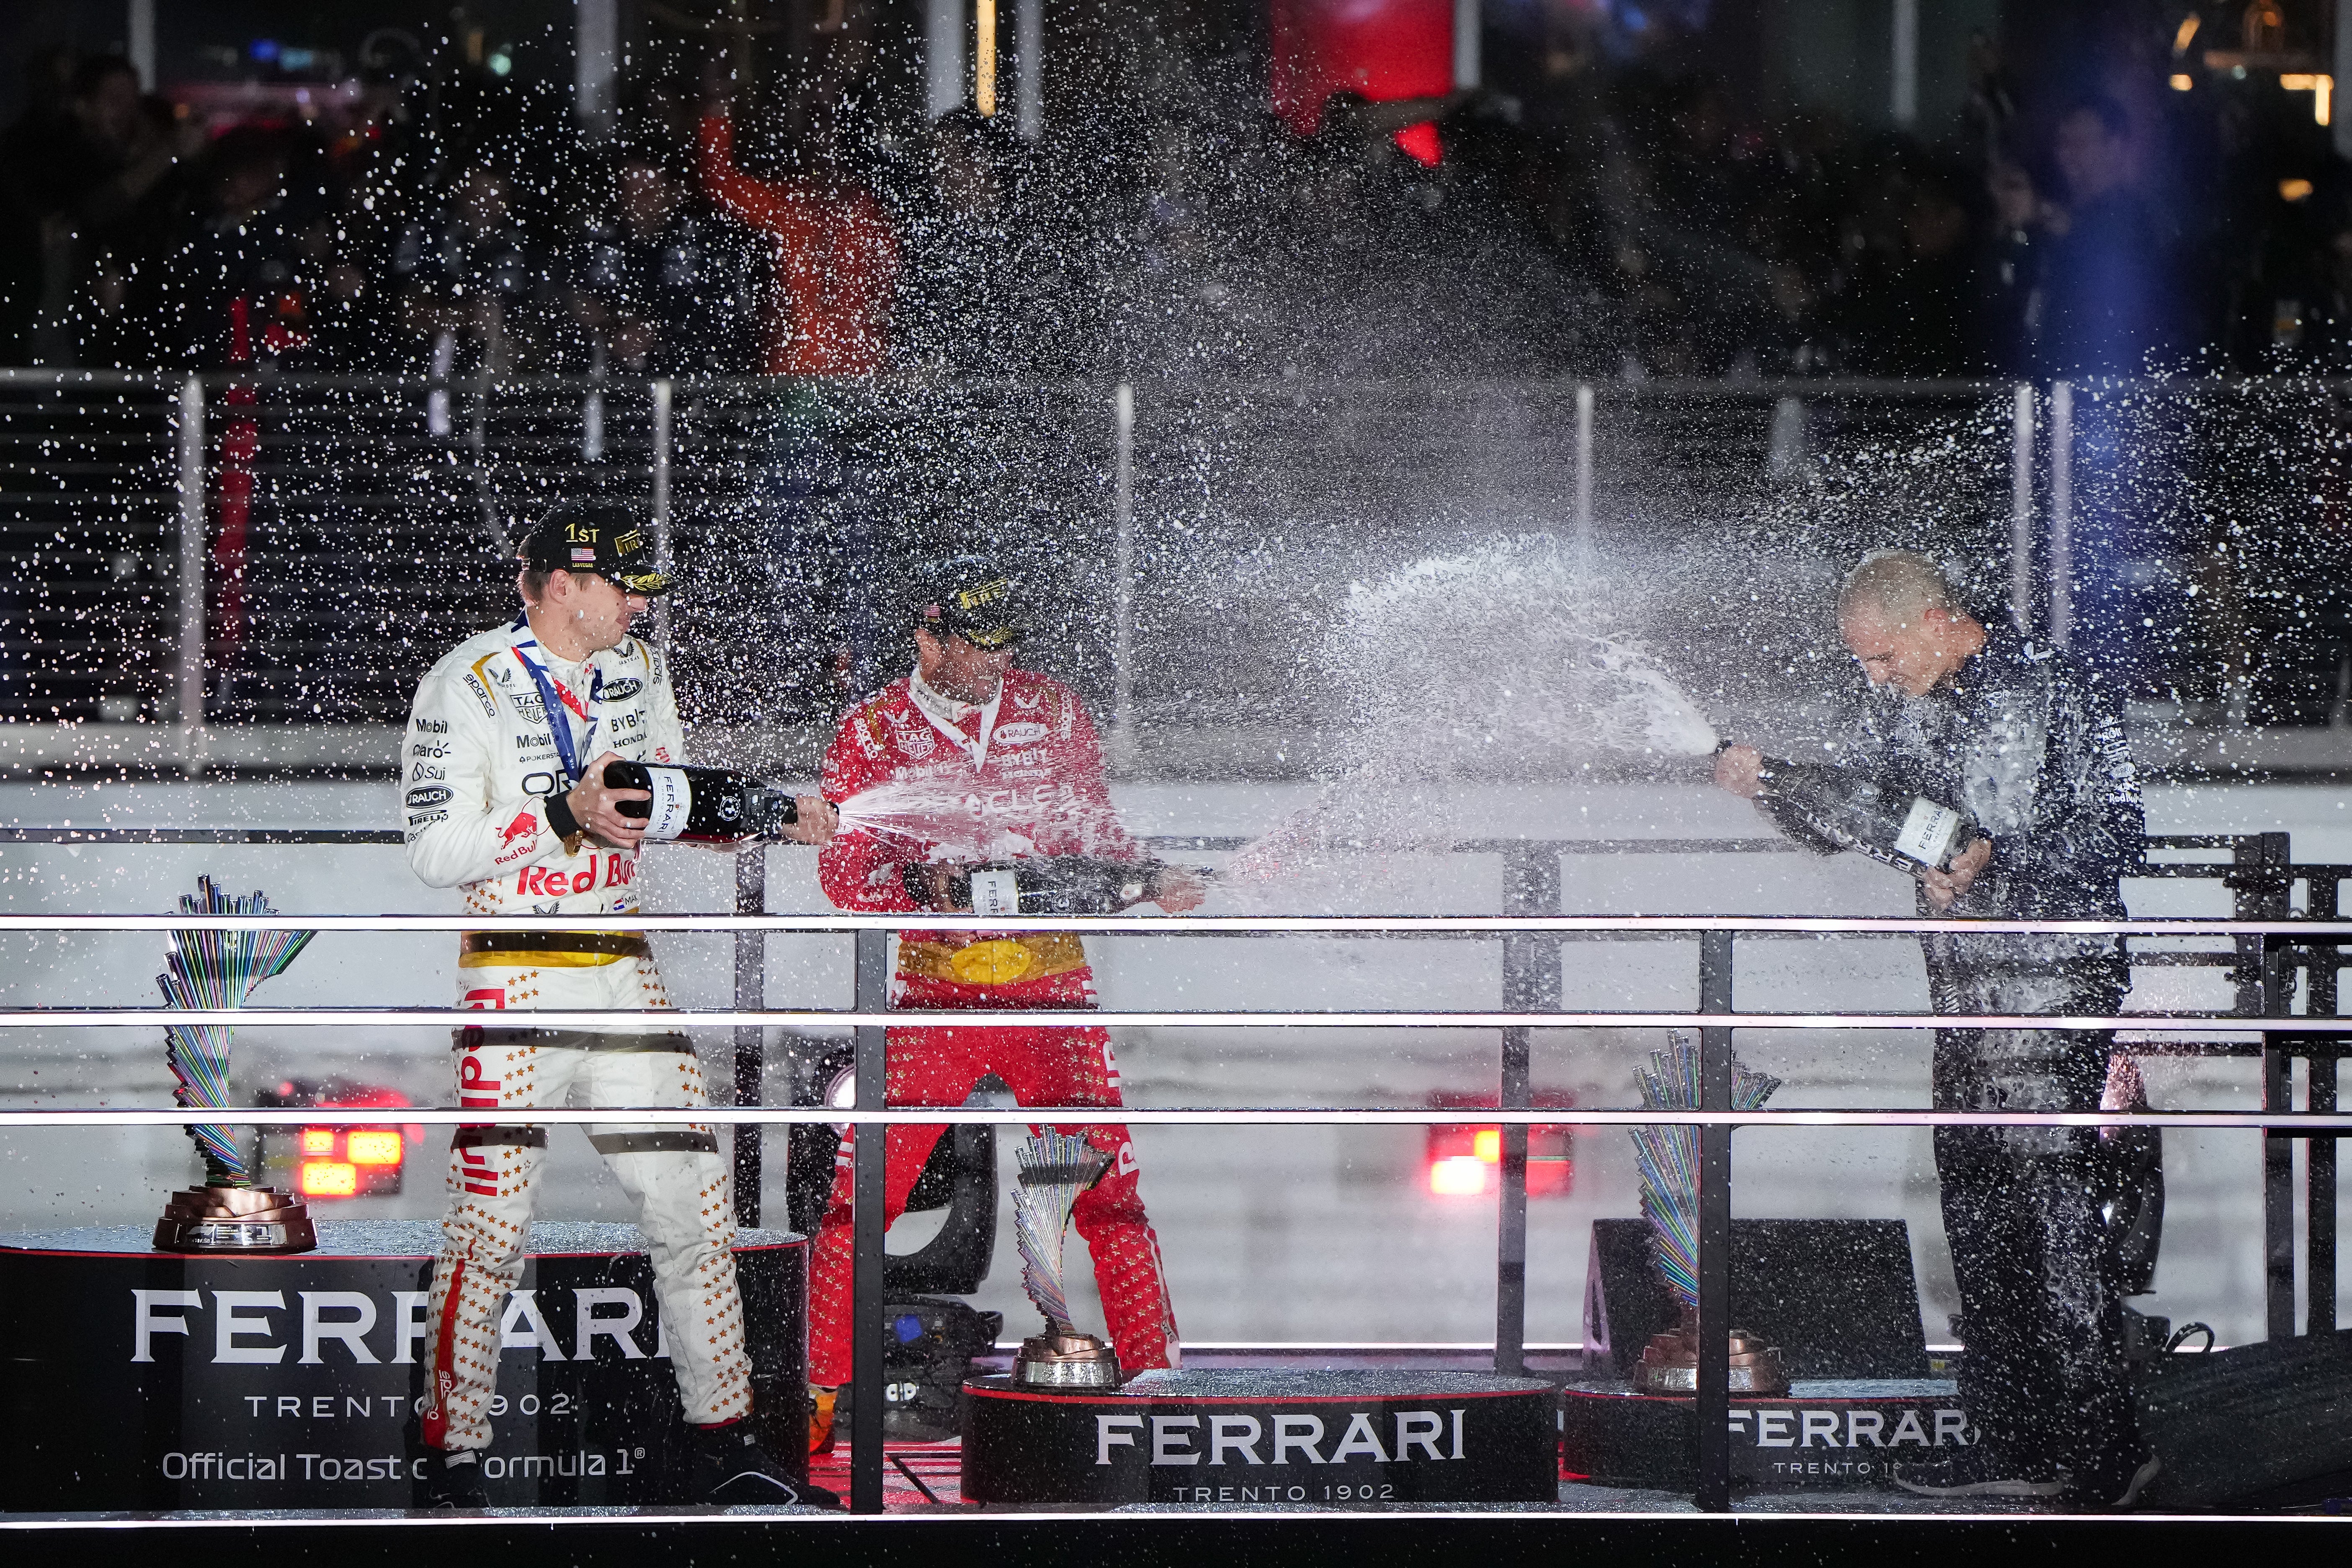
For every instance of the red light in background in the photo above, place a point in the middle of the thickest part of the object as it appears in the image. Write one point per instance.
(1550, 1176)
(1375, 50)
(328, 1179)
(1463, 1159)
(1459, 1176)
(338, 1161)
(1420, 143)
(373, 1146)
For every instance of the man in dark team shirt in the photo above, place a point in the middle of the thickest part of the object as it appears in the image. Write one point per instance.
(2024, 742)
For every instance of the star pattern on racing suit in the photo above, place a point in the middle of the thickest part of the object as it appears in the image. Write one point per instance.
(1039, 785)
(478, 765)
(2023, 739)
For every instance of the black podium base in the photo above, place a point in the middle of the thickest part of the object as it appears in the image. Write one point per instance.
(1840, 1434)
(145, 1380)
(1321, 1439)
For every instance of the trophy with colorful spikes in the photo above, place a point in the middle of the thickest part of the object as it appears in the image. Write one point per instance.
(212, 970)
(1056, 1167)
(1668, 1159)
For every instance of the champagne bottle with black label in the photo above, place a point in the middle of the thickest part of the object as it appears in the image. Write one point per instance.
(702, 806)
(1048, 885)
(1892, 825)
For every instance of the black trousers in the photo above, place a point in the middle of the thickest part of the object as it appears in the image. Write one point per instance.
(2043, 1376)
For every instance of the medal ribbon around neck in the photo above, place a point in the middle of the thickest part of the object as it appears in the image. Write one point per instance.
(554, 697)
(940, 708)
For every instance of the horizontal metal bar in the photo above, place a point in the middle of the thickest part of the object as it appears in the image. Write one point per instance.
(201, 835)
(2298, 1124)
(1199, 843)
(2202, 389)
(1189, 925)
(1196, 843)
(624, 1020)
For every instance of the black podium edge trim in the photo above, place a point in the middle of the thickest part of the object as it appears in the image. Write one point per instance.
(1242, 1539)
(1598, 1396)
(25, 1528)
(1116, 1396)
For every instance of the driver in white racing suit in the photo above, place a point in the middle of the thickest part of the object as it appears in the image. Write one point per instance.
(498, 802)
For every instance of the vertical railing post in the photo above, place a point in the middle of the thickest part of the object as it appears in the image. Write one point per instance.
(2062, 514)
(751, 1041)
(1903, 68)
(1714, 1402)
(591, 409)
(664, 391)
(2261, 891)
(1582, 539)
(191, 670)
(1531, 985)
(140, 46)
(944, 78)
(596, 57)
(865, 1380)
(1122, 650)
(1784, 456)
(2278, 1154)
(2319, 1098)
(2020, 509)
(1029, 68)
(1467, 42)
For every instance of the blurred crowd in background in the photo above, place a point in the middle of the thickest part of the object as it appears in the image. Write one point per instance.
(2098, 204)
(1578, 215)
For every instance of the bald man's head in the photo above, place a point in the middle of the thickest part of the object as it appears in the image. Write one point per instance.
(1903, 584)
(1898, 616)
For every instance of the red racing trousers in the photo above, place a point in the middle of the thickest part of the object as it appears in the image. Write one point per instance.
(934, 1066)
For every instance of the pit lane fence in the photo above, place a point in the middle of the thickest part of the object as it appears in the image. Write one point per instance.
(196, 559)
(2276, 957)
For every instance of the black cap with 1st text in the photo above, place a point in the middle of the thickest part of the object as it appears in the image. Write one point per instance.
(606, 539)
(973, 597)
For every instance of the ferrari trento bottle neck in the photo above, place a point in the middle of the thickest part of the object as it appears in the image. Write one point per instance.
(768, 810)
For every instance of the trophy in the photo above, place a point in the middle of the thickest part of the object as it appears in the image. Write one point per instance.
(215, 969)
(1668, 1158)
(1056, 1167)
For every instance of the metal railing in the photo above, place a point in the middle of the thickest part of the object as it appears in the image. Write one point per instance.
(197, 552)
(2267, 951)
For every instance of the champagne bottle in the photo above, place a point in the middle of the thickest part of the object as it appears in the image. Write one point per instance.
(702, 806)
(1890, 824)
(1048, 885)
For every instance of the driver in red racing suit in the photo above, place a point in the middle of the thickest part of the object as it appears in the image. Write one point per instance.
(1019, 747)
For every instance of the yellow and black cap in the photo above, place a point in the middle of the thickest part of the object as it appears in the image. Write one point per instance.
(975, 598)
(608, 539)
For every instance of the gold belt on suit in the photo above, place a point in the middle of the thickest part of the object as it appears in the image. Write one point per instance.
(547, 949)
(998, 961)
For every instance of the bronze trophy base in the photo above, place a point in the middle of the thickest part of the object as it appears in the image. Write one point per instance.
(234, 1219)
(1669, 1363)
(1062, 1357)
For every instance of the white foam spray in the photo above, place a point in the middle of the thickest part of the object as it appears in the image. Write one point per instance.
(957, 822)
(1510, 659)
(1510, 651)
